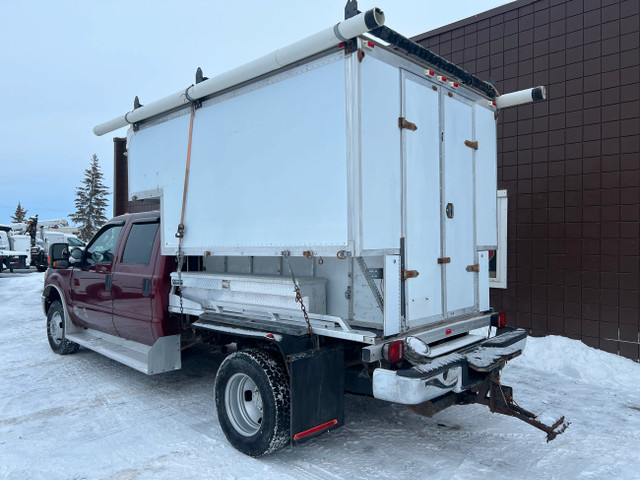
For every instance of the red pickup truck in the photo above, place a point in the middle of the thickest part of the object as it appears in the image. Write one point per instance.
(283, 381)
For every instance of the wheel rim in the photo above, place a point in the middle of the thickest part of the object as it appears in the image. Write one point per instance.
(55, 327)
(243, 404)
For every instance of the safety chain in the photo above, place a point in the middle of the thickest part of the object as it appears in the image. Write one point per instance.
(180, 262)
(285, 255)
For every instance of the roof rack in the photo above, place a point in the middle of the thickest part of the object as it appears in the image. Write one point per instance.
(416, 50)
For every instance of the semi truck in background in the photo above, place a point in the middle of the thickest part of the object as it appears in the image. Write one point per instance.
(329, 229)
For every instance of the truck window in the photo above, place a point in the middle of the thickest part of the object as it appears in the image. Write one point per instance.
(101, 249)
(140, 243)
(74, 242)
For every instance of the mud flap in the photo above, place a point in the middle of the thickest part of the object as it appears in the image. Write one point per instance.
(317, 392)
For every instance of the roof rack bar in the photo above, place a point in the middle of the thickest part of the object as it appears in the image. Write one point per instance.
(416, 50)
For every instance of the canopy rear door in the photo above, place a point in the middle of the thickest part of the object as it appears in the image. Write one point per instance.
(458, 203)
(421, 153)
(438, 203)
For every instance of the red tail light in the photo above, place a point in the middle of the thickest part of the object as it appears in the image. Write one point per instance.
(499, 320)
(393, 352)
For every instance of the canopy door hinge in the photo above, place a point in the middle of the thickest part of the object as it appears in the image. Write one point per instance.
(404, 123)
(471, 144)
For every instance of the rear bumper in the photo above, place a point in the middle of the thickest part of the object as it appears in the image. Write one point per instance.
(14, 261)
(455, 372)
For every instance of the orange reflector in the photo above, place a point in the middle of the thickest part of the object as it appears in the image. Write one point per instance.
(313, 430)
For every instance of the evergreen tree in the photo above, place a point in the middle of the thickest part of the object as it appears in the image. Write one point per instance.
(20, 214)
(91, 202)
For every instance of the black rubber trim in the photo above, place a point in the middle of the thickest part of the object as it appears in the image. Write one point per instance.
(414, 372)
(370, 18)
(507, 337)
(147, 220)
(416, 50)
(538, 94)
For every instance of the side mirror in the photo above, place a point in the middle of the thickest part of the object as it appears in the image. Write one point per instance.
(76, 255)
(59, 255)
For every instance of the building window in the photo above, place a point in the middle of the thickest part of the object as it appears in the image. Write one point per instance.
(498, 258)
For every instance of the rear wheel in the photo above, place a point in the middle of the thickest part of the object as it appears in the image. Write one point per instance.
(56, 331)
(252, 399)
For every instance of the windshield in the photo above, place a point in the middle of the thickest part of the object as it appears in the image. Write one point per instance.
(74, 242)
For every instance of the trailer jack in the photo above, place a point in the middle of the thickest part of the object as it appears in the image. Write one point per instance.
(500, 400)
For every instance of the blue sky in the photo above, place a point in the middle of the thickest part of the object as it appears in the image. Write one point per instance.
(67, 66)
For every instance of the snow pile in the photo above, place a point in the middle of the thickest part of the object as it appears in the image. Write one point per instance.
(571, 358)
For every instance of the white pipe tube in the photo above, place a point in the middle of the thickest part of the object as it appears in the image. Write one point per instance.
(306, 47)
(521, 97)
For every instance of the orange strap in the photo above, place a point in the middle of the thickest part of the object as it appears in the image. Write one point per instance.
(180, 232)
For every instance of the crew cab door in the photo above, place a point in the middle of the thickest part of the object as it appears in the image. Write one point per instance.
(133, 281)
(91, 282)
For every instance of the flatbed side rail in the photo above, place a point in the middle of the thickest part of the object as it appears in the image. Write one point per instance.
(277, 319)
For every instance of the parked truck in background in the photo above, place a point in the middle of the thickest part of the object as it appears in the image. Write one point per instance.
(329, 229)
(40, 234)
(12, 255)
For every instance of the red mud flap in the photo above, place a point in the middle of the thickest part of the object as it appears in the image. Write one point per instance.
(317, 392)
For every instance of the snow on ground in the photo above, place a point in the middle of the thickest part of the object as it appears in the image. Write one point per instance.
(84, 416)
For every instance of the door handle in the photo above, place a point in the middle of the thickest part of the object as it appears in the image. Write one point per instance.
(107, 283)
(449, 210)
(145, 287)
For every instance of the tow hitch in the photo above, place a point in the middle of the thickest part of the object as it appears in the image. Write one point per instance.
(500, 400)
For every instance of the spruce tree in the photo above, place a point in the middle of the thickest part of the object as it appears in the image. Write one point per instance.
(91, 202)
(20, 214)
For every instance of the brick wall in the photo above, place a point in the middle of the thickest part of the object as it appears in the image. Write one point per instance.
(571, 165)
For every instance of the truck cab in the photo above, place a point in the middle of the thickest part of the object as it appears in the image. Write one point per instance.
(118, 284)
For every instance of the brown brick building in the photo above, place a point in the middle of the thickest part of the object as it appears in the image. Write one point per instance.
(571, 165)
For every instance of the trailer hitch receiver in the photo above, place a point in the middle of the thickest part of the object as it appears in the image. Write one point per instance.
(500, 400)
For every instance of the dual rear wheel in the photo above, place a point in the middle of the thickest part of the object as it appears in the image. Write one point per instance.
(252, 399)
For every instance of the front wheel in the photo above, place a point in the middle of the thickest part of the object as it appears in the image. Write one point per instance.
(252, 399)
(56, 331)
